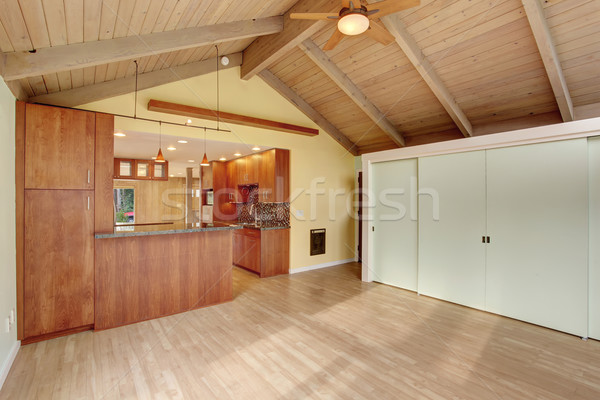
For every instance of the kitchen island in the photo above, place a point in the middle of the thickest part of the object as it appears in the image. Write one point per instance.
(151, 271)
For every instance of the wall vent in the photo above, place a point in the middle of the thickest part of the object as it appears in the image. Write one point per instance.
(317, 242)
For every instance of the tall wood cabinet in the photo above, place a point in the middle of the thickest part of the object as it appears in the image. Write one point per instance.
(274, 175)
(61, 155)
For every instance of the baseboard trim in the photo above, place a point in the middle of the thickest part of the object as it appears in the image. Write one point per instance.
(319, 266)
(9, 362)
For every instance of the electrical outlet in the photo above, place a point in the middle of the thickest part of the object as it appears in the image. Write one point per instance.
(12, 316)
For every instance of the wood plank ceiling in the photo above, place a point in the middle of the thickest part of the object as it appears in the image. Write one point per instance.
(457, 67)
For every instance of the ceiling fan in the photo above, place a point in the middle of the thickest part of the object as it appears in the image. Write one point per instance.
(355, 18)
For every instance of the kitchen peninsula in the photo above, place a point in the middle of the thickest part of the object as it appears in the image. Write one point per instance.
(157, 270)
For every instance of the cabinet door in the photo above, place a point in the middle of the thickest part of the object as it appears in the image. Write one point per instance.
(452, 217)
(252, 168)
(59, 148)
(246, 250)
(59, 260)
(242, 175)
(594, 182)
(395, 223)
(232, 180)
(266, 178)
(282, 176)
(537, 261)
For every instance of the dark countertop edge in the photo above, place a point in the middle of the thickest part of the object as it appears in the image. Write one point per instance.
(165, 232)
(266, 228)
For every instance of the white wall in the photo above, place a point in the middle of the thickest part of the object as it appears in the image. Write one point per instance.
(8, 279)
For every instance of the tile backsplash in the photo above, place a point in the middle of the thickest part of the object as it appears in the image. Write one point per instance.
(277, 214)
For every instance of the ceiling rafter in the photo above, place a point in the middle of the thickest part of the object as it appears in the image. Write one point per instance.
(105, 90)
(413, 52)
(48, 60)
(341, 79)
(545, 44)
(268, 49)
(270, 79)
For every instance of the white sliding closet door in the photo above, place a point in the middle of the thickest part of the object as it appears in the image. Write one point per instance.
(537, 261)
(451, 252)
(394, 239)
(594, 180)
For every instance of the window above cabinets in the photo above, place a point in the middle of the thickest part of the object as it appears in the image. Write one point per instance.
(141, 169)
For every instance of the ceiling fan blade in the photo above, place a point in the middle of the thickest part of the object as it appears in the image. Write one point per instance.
(388, 7)
(345, 3)
(314, 15)
(379, 33)
(334, 40)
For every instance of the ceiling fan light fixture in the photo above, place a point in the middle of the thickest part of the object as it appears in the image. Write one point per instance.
(353, 24)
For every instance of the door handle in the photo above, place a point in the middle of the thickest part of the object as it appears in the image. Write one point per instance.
(88, 203)
(89, 176)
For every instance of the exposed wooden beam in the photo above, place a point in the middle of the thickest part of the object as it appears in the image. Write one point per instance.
(74, 56)
(105, 90)
(412, 50)
(17, 90)
(587, 111)
(268, 49)
(337, 75)
(211, 115)
(543, 38)
(285, 91)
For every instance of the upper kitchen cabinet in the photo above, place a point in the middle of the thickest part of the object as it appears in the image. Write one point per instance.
(248, 169)
(59, 148)
(274, 175)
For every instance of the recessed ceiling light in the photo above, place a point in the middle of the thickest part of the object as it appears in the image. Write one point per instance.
(182, 141)
(172, 176)
(189, 121)
(191, 160)
(222, 159)
(120, 134)
(180, 173)
(256, 148)
(237, 154)
(154, 158)
(171, 148)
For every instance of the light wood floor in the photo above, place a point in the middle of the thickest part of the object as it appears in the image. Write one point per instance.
(319, 334)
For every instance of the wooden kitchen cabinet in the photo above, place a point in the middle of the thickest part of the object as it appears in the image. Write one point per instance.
(274, 175)
(246, 249)
(265, 252)
(125, 168)
(59, 148)
(59, 261)
(232, 180)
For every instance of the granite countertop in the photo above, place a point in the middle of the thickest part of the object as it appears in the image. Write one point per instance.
(265, 226)
(165, 229)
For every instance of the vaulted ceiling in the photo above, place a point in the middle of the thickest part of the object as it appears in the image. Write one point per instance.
(456, 68)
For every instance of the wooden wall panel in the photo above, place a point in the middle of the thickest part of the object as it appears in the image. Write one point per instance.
(103, 170)
(146, 277)
(156, 201)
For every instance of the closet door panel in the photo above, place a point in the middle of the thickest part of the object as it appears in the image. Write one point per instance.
(452, 217)
(594, 242)
(395, 223)
(537, 261)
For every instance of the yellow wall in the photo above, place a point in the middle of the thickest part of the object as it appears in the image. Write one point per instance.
(8, 278)
(313, 159)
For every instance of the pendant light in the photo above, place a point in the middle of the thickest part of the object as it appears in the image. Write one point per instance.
(159, 157)
(205, 162)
